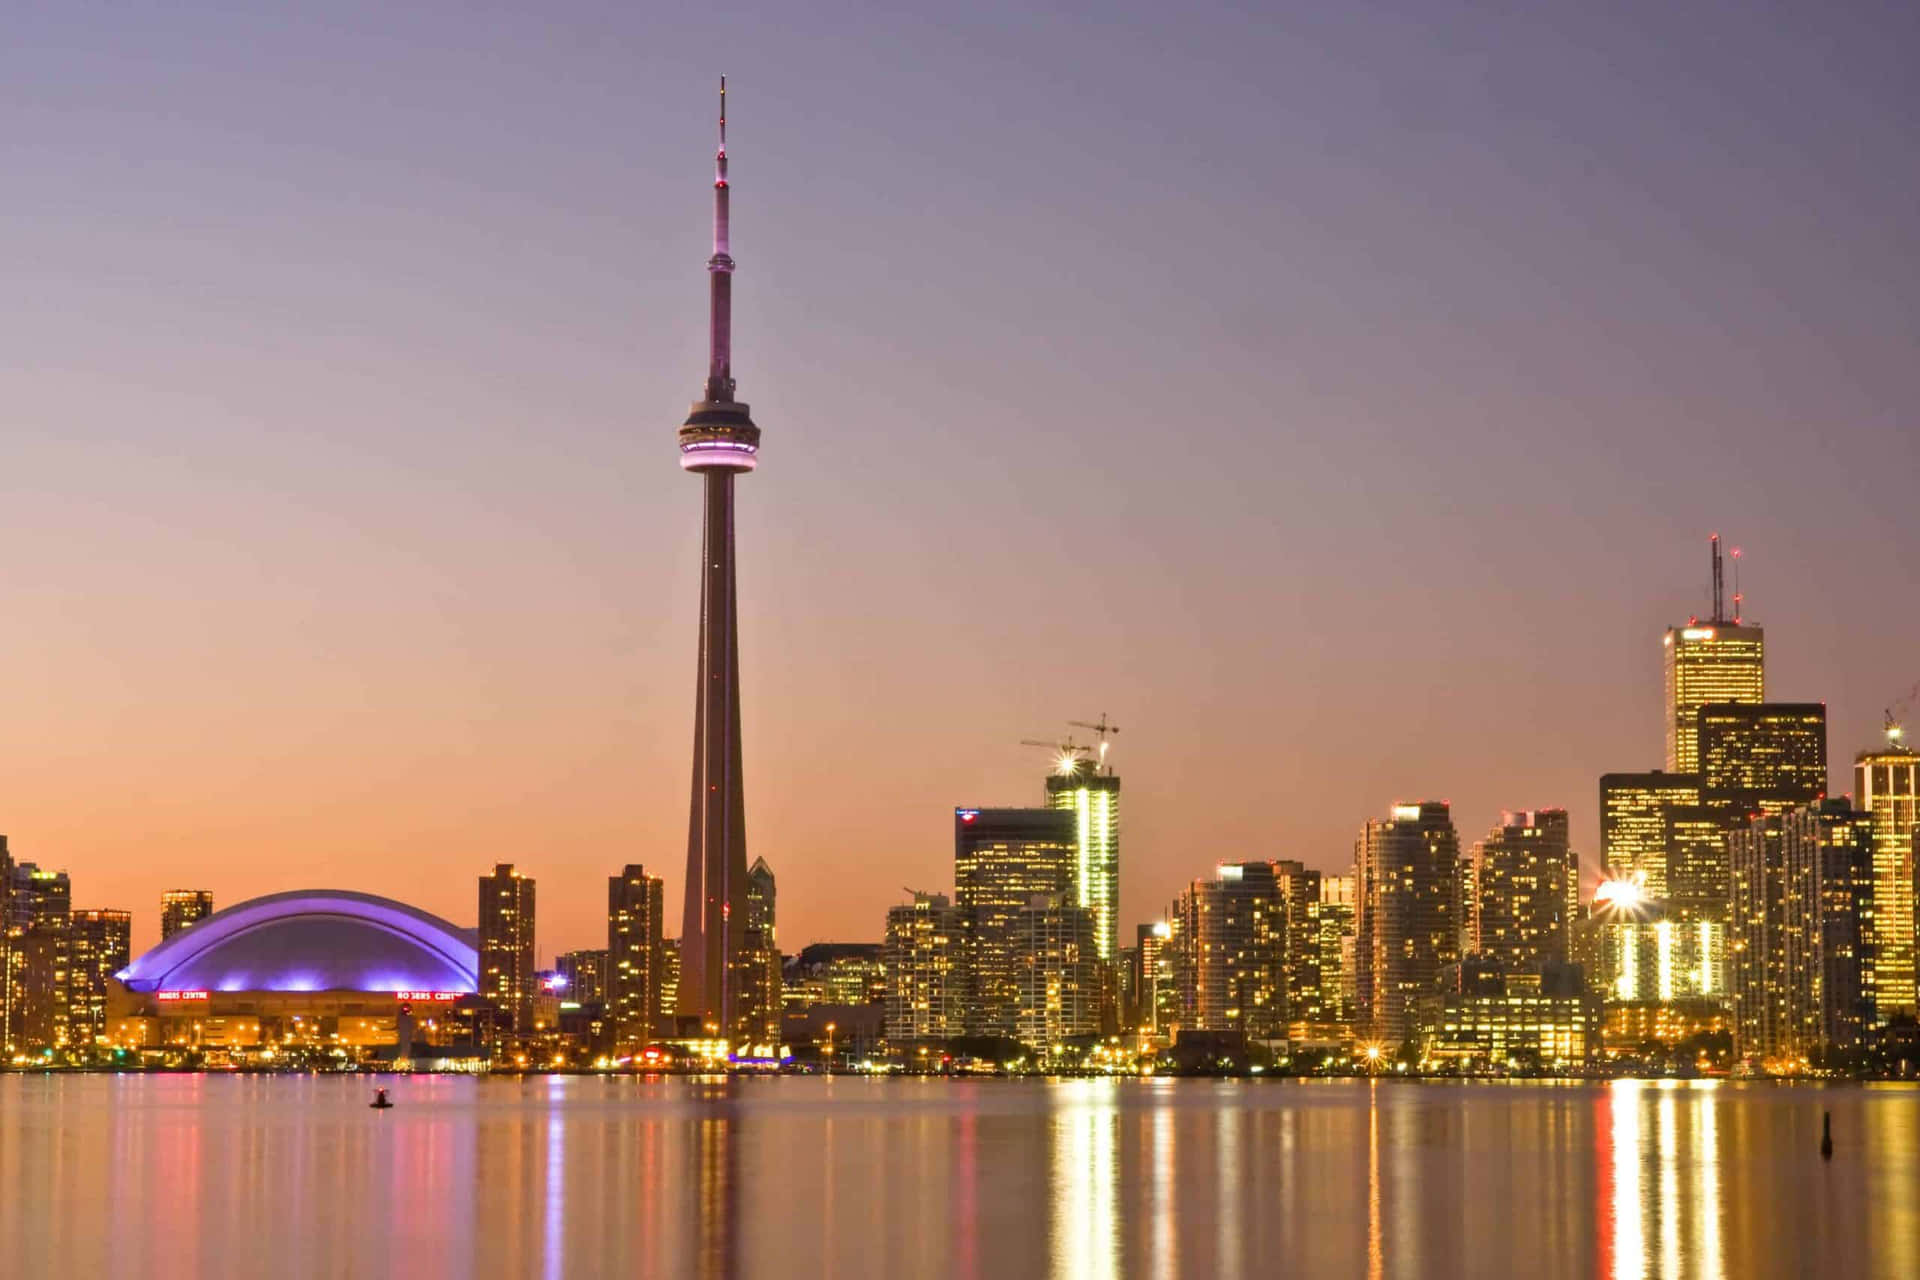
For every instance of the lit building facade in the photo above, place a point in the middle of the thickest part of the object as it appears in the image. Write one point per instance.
(1405, 928)
(1715, 662)
(1093, 797)
(1498, 1028)
(583, 975)
(926, 970)
(1762, 757)
(1827, 851)
(35, 959)
(1886, 786)
(634, 955)
(1057, 973)
(759, 960)
(1246, 952)
(1002, 859)
(1759, 943)
(99, 945)
(1517, 886)
(1333, 918)
(326, 969)
(1636, 830)
(180, 908)
(1155, 999)
(506, 946)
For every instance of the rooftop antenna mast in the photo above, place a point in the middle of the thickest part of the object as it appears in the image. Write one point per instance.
(1719, 582)
(1734, 555)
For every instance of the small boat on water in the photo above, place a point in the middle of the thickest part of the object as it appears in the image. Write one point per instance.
(380, 1100)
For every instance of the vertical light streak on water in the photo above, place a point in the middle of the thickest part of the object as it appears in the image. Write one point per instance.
(1084, 1181)
(554, 1252)
(1376, 1263)
(1230, 1185)
(1667, 1211)
(1165, 1237)
(1706, 1160)
(1629, 1230)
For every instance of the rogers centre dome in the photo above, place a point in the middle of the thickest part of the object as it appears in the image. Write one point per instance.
(311, 940)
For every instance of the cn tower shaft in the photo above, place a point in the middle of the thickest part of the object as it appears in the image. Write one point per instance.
(717, 442)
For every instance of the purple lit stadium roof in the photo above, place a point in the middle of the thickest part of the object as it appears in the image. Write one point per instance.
(312, 940)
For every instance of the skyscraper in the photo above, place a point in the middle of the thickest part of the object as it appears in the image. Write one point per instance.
(1762, 757)
(1056, 972)
(8, 1011)
(759, 980)
(1002, 859)
(1720, 660)
(1636, 814)
(1827, 849)
(634, 949)
(100, 944)
(926, 970)
(1230, 951)
(1886, 786)
(182, 907)
(1093, 797)
(717, 442)
(506, 946)
(38, 917)
(1758, 938)
(1405, 934)
(1516, 914)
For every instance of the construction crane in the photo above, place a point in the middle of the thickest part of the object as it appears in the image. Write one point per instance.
(1102, 730)
(1068, 754)
(1894, 729)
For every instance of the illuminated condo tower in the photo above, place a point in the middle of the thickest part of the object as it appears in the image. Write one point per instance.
(1718, 660)
(1886, 787)
(717, 443)
(1079, 785)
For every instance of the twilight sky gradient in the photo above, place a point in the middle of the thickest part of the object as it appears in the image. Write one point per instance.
(1338, 395)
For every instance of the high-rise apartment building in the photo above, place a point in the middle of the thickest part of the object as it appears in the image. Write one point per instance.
(1247, 949)
(506, 946)
(1155, 998)
(759, 960)
(1827, 851)
(1002, 859)
(1762, 757)
(633, 958)
(1758, 938)
(1405, 931)
(99, 945)
(584, 973)
(926, 970)
(182, 907)
(1636, 816)
(1516, 906)
(1886, 787)
(39, 912)
(1056, 972)
(1080, 787)
(1333, 918)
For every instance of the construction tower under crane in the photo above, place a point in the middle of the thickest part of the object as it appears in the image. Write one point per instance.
(1082, 780)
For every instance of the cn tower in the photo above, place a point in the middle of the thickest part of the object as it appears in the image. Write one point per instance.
(717, 443)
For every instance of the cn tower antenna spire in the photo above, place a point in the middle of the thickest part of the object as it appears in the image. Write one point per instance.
(720, 268)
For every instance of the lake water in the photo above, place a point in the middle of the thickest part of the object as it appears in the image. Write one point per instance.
(218, 1176)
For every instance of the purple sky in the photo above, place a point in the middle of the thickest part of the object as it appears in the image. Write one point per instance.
(1338, 395)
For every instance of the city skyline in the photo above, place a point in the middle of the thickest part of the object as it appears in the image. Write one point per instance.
(347, 562)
